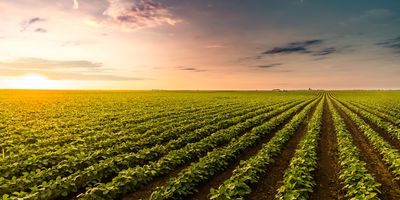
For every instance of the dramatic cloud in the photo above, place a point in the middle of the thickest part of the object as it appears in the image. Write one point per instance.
(393, 43)
(293, 47)
(38, 63)
(75, 5)
(136, 14)
(26, 24)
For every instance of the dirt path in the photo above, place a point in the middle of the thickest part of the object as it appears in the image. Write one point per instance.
(390, 188)
(269, 183)
(327, 173)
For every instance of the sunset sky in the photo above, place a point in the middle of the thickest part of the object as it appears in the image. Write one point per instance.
(200, 44)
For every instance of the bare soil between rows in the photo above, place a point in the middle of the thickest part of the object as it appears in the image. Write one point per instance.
(327, 173)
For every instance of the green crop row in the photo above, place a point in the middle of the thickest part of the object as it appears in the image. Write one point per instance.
(388, 127)
(134, 178)
(215, 162)
(298, 181)
(389, 154)
(249, 171)
(104, 149)
(358, 182)
(125, 160)
(382, 113)
(89, 139)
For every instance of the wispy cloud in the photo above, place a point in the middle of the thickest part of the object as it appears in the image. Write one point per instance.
(269, 65)
(41, 30)
(293, 47)
(192, 69)
(317, 48)
(393, 43)
(27, 23)
(325, 51)
(133, 15)
(38, 63)
(61, 70)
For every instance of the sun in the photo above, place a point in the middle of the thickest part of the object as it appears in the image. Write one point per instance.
(33, 81)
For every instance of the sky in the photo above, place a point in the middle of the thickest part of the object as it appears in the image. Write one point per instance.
(200, 44)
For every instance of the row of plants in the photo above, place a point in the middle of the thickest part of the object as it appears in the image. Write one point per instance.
(50, 159)
(388, 127)
(380, 112)
(390, 155)
(126, 160)
(132, 179)
(98, 139)
(357, 182)
(217, 161)
(73, 126)
(298, 180)
(95, 136)
(249, 171)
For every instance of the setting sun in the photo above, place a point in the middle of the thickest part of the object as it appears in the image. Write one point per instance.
(33, 81)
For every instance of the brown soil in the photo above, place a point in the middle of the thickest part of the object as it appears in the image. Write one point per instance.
(327, 173)
(393, 142)
(217, 180)
(270, 181)
(390, 189)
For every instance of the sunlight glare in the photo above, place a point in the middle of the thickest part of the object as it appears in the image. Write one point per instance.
(33, 81)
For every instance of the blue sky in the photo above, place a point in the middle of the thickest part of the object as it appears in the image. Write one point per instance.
(213, 44)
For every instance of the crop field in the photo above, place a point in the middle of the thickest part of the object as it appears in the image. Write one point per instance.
(199, 145)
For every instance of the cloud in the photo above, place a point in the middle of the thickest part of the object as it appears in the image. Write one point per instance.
(191, 69)
(393, 43)
(84, 76)
(40, 30)
(60, 70)
(27, 23)
(293, 47)
(325, 51)
(57, 75)
(75, 5)
(38, 63)
(132, 15)
(316, 48)
(269, 65)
